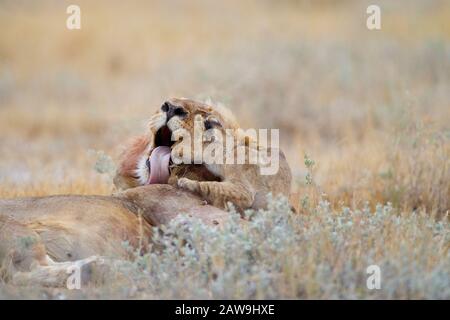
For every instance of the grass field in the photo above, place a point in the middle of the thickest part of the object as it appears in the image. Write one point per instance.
(370, 108)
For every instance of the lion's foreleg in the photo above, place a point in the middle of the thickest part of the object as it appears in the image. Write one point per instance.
(69, 274)
(220, 193)
(20, 248)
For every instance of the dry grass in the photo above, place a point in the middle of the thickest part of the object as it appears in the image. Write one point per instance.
(370, 107)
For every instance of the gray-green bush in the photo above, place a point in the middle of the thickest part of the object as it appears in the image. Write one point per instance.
(279, 254)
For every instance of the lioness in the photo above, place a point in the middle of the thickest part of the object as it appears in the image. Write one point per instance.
(155, 146)
(42, 238)
(241, 184)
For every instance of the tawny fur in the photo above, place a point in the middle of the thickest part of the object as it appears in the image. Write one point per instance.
(242, 185)
(40, 238)
(132, 171)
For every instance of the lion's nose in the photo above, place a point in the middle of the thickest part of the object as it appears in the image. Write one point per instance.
(169, 109)
(172, 110)
(170, 113)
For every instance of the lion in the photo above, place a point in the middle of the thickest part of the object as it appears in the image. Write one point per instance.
(242, 185)
(41, 238)
(135, 161)
(134, 167)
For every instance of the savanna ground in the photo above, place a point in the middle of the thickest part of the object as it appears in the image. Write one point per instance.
(370, 109)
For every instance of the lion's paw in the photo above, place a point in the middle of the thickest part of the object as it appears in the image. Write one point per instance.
(188, 184)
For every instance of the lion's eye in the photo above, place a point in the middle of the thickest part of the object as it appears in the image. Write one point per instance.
(180, 112)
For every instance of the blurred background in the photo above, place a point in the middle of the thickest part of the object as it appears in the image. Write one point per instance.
(371, 108)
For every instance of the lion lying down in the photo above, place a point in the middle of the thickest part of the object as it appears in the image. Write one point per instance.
(40, 238)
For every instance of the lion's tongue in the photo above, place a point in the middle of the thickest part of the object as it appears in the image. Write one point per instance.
(159, 165)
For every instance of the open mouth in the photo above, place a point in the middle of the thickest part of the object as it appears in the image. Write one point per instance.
(159, 162)
(164, 137)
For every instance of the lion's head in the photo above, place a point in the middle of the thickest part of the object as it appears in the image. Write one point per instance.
(152, 151)
(181, 113)
(189, 122)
